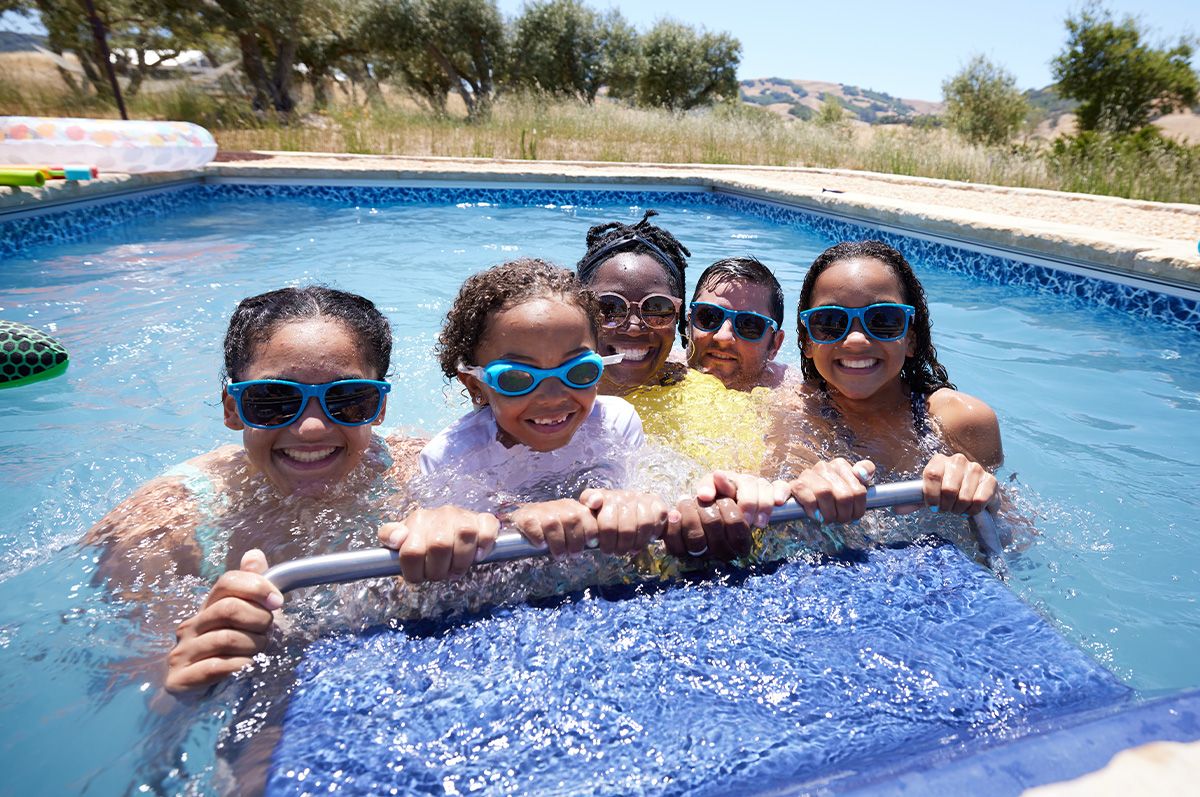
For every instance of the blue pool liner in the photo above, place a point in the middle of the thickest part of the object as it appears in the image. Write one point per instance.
(808, 676)
(1057, 749)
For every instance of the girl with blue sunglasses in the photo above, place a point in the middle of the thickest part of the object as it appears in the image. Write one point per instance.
(872, 381)
(306, 389)
(539, 449)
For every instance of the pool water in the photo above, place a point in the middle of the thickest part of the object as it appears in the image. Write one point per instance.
(1100, 411)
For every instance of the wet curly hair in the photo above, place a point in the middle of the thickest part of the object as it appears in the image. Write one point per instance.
(921, 372)
(257, 317)
(605, 241)
(499, 288)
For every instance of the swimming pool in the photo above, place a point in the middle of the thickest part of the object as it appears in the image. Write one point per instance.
(1097, 388)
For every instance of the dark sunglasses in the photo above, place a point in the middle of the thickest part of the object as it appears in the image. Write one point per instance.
(655, 310)
(750, 326)
(273, 403)
(884, 321)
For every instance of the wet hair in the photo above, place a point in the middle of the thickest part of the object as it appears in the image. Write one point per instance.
(747, 269)
(605, 241)
(921, 372)
(499, 288)
(257, 317)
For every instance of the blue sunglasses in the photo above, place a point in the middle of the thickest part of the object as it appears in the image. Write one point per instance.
(510, 378)
(274, 403)
(708, 317)
(883, 321)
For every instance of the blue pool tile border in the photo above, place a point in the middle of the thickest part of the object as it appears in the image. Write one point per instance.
(77, 223)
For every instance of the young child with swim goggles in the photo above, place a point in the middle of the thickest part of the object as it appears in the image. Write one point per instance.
(521, 338)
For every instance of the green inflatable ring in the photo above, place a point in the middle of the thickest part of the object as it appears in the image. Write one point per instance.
(28, 355)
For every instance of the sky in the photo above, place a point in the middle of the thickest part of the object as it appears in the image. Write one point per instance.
(903, 49)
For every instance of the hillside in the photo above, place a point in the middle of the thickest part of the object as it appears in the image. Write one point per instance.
(802, 99)
(1050, 114)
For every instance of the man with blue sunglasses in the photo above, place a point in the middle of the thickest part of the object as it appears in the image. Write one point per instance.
(735, 322)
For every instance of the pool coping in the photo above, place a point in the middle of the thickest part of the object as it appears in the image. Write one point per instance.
(1169, 264)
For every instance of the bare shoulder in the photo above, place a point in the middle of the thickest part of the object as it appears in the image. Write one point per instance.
(969, 425)
(151, 531)
(166, 505)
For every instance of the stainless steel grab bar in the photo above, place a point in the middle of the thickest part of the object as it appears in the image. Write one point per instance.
(338, 568)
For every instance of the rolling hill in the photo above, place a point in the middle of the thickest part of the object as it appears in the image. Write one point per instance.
(801, 99)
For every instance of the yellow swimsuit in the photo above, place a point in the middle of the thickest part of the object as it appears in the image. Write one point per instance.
(702, 419)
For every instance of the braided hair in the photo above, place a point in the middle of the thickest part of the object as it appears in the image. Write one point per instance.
(921, 372)
(605, 241)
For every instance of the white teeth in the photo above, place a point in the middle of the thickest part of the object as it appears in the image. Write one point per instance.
(858, 363)
(308, 456)
(550, 421)
(632, 355)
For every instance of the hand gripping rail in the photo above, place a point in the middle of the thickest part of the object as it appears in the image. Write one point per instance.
(338, 568)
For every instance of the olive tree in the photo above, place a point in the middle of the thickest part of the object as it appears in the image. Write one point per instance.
(682, 68)
(983, 104)
(1119, 80)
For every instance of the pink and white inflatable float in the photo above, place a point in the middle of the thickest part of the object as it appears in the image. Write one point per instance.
(112, 145)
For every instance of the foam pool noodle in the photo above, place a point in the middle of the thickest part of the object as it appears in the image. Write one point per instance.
(34, 177)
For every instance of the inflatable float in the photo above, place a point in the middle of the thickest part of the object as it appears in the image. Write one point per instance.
(111, 145)
(28, 355)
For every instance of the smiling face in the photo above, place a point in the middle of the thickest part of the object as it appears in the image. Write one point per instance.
(859, 366)
(543, 333)
(736, 362)
(645, 348)
(312, 452)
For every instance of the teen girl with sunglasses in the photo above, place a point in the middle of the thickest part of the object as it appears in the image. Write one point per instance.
(874, 390)
(305, 370)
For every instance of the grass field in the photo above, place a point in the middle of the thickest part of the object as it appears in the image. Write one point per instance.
(532, 127)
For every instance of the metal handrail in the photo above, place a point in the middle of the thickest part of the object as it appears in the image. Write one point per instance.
(338, 568)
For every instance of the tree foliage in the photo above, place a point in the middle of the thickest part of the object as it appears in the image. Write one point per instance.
(443, 45)
(682, 68)
(983, 104)
(432, 47)
(558, 47)
(1120, 81)
(832, 112)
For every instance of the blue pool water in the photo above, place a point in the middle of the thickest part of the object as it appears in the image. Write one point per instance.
(1100, 409)
(810, 674)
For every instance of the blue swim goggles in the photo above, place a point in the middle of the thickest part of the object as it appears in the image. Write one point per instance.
(884, 321)
(510, 378)
(274, 403)
(708, 317)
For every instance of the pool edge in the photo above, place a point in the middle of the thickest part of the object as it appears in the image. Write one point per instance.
(1169, 263)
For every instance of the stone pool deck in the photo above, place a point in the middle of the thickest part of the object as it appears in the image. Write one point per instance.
(1151, 240)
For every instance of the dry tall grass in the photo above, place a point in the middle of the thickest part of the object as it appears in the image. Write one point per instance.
(534, 127)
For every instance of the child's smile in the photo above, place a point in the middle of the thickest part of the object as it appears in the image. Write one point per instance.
(543, 333)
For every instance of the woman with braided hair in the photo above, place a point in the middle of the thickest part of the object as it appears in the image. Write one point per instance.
(637, 271)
